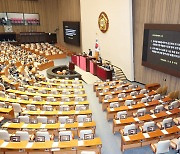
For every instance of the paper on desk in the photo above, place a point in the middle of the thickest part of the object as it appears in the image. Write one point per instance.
(118, 122)
(120, 99)
(136, 119)
(129, 107)
(178, 126)
(4, 144)
(146, 135)
(60, 112)
(43, 126)
(153, 116)
(61, 103)
(111, 86)
(42, 112)
(146, 95)
(106, 101)
(76, 112)
(160, 101)
(134, 97)
(80, 124)
(76, 103)
(29, 145)
(1, 118)
(111, 109)
(47, 103)
(164, 131)
(6, 124)
(168, 112)
(126, 138)
(133, 88)
(62, 125)
(80, 143)
(55, 144)
(24, 125)
(100, 93)
(124, 91)
(146, 104)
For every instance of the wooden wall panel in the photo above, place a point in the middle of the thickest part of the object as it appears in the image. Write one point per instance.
(47, 10)
(153, 11)
(69, 10)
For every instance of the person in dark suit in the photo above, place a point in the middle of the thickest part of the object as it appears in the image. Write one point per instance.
(99, 60)
(90, 52)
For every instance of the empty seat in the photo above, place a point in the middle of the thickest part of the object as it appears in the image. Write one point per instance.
(63, 119)
(143, 91)
(78, 92)
(12, 95)
(64, 108)
(50, 99)
(129, 129)
(157, 97)
(24, 97)
(129, 102)
(144, 100)
(161, 147)
(17, 109)
(42, 91)
(140, 112)
(172, 105)
(157, 109)
(54, 92)
(30, 106)
(47, 108)
(79, 99)
(24, 136)
(122, 115)
(66, 133)
(80, 107)
(31, 90)
(175, 144)
(2, 94)
(2, 104)
(37, 98)
(4, 135)
(148, 126)
(114, 104)
(45, 134)
(166, 123)
(66, 92)
(121, 95)
(82, 133)
(133, 93)
(21, 88)
(107, 97)
(24, 119)
(42, 119)
(65, 99)
(80, 118)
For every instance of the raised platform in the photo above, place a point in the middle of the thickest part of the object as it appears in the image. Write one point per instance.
(52, 73)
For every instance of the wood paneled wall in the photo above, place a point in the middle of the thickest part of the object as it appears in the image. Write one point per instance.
(69, 10)
(46, 9)
(153, 11)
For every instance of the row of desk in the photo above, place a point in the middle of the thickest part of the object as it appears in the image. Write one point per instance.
(88, 64)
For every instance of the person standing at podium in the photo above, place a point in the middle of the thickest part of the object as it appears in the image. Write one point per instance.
(90, 53)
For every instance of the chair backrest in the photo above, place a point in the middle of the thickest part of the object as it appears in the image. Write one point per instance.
(42, 91)
(178, 144)
(66, 92)
(63, 119)
(37, 98)
(28, 107)
(65, 133)
(83, 132)
(24, 97)
(4, 135)
(131, 86)
(163, 146)
(21, 88)
(114, 104)
(128, 102)
(133, 93)
(119, 88)
(31, 90)
(47, 107)
(24, 136)
(2, 94)
(64, 108)
(121, 95)
(24, 119)
(37, 84)
(159, 107)
(105, 90)
(65, 99)
(2, 104)
(121, 114)
(129, 127)
(143, 91)
(175, 104)
(108, 96)
(166, 121)
(79, 99)
(80, 118)
(80, 107)
(144, 100)
(148, 124)
(50, 99)
(141, 112)
(157, 97)
(45, 134)
(12, 95)
(54, 91)
(42, 119)
(16, 107)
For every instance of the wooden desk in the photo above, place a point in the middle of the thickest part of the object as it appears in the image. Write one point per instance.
(142, 139)
(139, 121)
(7, 112)
(111, 112)
(74, 145)
(57, 84)
(152, 86)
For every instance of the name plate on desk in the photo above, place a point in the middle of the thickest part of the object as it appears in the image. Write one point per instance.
(61, 103)
(62, 125)
(76, 112)
(42, 112)
(4, 144)
(43, 126)
(136, 119)
(168, 112)
(134, 97)
(153, 116)
(146, 104)
(120, 99)
(80, 124)
(76, 102)
(24, 125)
(111, 109)
(6, 124)
(60, 112)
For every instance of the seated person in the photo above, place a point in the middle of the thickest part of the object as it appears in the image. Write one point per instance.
(99, 60)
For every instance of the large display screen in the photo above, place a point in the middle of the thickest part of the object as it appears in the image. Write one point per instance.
(71, 32)
(161, 48)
